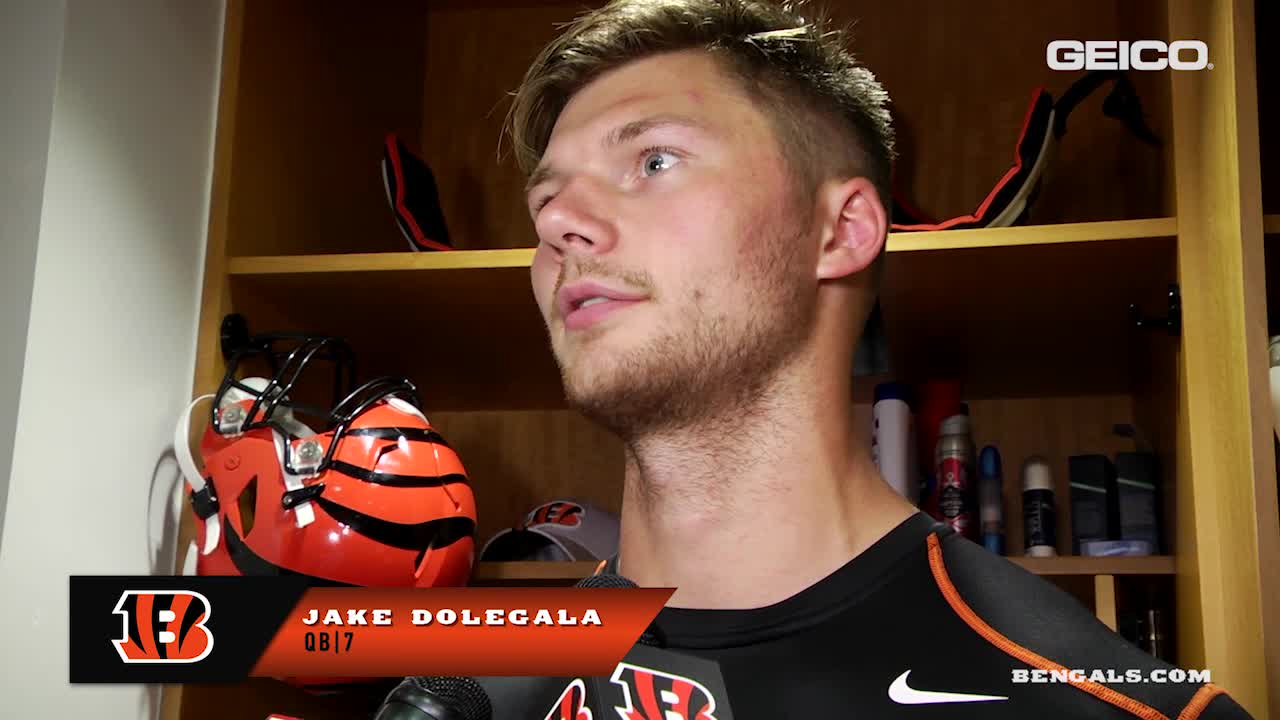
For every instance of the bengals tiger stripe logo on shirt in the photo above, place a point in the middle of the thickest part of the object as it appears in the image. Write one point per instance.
(651, 694)
(572, 703)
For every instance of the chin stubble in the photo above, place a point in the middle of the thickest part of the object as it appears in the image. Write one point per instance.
(709, 370)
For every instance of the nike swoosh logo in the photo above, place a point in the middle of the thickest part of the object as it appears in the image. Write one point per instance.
(903, 694)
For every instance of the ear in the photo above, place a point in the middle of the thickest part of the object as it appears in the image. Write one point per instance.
(854, 228)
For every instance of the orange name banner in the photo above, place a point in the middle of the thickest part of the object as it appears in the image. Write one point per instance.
(373, 632)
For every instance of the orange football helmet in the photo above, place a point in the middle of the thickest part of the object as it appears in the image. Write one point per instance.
(375, 498)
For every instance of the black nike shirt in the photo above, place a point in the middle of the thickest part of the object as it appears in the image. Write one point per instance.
(922, 624)
(917, 622)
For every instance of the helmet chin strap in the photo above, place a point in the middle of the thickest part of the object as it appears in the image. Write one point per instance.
(303, 513)
(187, 463)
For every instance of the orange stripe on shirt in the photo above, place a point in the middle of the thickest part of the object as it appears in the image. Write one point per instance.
(991, 635)
(1200, 701)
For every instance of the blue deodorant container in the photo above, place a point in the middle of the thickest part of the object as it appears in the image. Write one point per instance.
(991, 499)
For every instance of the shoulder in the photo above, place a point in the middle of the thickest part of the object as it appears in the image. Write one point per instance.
(1043, 626)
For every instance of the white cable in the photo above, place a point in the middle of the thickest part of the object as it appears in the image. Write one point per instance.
(304, 513)
(187, 463)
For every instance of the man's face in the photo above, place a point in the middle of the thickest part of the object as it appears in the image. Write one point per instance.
(673, 267)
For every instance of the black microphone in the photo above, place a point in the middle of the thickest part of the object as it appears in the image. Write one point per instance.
(519, 697)
(650, 677)
(436, 698)
(652, 635)
(681, 685)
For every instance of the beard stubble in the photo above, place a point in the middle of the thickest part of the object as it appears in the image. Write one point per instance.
(711, 366)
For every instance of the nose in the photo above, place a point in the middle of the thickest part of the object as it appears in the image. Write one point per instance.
(577, 221)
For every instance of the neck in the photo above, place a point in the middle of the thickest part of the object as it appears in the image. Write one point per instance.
(746, 511)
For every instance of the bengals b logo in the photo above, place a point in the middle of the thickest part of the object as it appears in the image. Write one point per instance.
(163, 626)
(655, 695)
(572, 703)
(556, 513)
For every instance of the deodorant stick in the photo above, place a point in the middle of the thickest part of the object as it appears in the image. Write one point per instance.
(1039, 514)
(1274, 355)
(991, 499)
(891, 439)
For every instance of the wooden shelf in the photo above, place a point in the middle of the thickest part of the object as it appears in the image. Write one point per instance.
(543, 572)
(1034, 235)
(1003, 308)
(1102, 231)
(1271, 224)
(1077, 565)
(380, 262)
(536, 571)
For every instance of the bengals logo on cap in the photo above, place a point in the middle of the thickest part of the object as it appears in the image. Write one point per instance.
(556, 513)
(163, 626)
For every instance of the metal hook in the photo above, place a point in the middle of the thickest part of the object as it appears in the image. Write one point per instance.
(234, 335)
(1172, 322)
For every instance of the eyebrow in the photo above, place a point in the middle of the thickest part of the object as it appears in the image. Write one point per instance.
(622, 134)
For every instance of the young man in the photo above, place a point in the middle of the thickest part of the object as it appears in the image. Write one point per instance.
(708, 181)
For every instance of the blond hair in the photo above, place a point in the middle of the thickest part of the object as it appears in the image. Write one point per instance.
(829, 112)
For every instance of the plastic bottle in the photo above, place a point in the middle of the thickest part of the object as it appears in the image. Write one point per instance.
(891, 439)
(936, 399)
(954, 473)
(1274, 355)
(1039, 513)
(991, 499)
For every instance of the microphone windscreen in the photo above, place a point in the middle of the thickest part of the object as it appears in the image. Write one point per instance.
(463, 694)
(605, 580)
(652, 635)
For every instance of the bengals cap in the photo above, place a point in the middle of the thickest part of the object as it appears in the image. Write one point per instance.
(557, 530)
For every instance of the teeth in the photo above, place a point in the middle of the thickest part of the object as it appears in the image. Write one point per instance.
(592, 301)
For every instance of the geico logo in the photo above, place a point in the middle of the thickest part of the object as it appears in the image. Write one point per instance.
(1126, 55)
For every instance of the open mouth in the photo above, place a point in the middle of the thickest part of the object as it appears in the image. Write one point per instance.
(588, 302)
(591, 310)
(585, 302)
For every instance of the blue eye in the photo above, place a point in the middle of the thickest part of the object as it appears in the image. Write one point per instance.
(656, 160)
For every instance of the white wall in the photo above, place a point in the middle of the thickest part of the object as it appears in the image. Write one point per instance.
(109, 341)
(30, 46)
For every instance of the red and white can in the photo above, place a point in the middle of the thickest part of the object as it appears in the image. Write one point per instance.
(955, 494)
